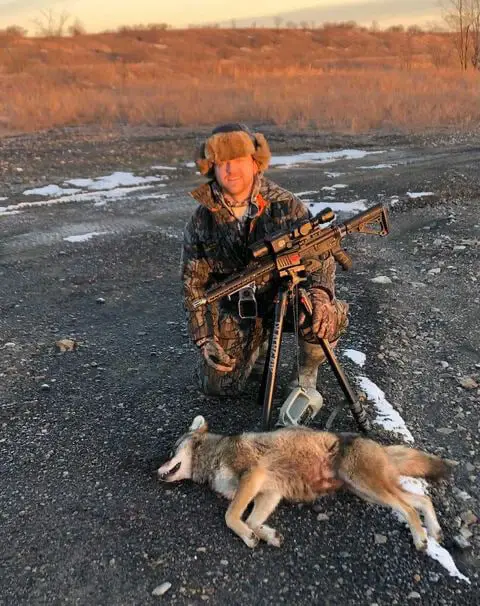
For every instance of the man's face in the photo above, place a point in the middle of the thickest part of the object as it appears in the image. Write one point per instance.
(236, 176)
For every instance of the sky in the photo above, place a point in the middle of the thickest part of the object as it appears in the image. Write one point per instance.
(109, 14)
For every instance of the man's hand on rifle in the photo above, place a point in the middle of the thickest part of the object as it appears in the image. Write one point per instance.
(324, 317)
(215, 355)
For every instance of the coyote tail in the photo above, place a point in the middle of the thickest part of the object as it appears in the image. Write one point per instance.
(418, 464)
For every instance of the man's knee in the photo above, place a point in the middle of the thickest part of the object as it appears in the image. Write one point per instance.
(311, 351)
(221, 384)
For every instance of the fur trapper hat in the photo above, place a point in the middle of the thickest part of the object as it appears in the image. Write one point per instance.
(230, 141)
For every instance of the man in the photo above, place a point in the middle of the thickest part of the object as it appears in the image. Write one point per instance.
(237, 207)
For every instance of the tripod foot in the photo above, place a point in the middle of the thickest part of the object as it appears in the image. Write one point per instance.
(301, 406)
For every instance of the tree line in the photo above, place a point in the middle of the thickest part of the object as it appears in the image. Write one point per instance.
(461, 16)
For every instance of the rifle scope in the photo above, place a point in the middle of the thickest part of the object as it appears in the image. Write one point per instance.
(282, 240)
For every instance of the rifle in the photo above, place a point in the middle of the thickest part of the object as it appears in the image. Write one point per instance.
(286, 258)
(287, 253)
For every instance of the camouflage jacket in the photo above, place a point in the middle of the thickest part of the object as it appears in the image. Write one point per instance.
(216, 244)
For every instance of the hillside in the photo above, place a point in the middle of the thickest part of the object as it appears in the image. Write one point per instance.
(340, 78)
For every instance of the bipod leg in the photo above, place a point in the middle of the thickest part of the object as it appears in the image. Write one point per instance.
(357, 408)
(273, 356)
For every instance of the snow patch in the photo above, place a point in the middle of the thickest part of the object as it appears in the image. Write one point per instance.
(113, 194)
(48, 190)
(122, 179)
(434, 549)
(439, 553)
(387, 416)
(300, 193)
(79, 182)
(381, 280)
(113, 181)
(414, 485)
(377, 166)
(356, 356)
(320, 157)
(390, 419)
(109, 187)
(85, 237)
(346, 207)
(153, 196)
(5, 212)
(419, 194)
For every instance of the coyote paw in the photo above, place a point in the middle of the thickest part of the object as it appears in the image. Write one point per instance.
(251, 539)
(437, 534)
(269, 535)
(421, 542)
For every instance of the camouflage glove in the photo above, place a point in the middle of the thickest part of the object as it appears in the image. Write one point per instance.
(324, 317)
(215, 355)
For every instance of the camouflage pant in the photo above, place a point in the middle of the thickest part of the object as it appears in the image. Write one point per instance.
(241, 339)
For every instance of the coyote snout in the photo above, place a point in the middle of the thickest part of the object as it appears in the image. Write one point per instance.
(165, 474)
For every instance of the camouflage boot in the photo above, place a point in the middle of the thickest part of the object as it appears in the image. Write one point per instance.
(311, 356)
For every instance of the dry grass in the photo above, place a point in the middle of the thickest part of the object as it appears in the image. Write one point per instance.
(335, 79)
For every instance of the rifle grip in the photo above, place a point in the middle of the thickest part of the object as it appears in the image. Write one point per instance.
(343, 258)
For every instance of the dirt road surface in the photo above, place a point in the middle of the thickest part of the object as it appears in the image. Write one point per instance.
(83, 519)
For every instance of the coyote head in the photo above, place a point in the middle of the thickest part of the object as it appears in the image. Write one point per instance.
(179, 465)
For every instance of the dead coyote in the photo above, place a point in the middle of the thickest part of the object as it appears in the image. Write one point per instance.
(301, 464)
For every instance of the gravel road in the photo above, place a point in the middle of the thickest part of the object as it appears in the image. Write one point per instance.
(84, 520)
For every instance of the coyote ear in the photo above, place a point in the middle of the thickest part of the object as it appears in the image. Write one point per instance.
(199, 424)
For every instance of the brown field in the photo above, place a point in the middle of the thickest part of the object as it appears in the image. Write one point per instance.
(343, 79)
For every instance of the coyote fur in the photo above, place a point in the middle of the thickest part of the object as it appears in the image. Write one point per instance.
(301, 464)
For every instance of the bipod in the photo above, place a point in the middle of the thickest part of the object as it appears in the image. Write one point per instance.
(285, 294)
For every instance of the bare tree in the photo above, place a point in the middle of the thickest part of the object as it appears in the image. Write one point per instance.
(440, 53)
(278, 21)
(50, 24)
(15, 31)
(475, 57)
(414, 29)
(77, 28)
(406, 51)
(460, 16)
(158, 26)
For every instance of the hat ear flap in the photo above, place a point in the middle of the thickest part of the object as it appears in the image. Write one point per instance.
(262, 153)
(203, 165)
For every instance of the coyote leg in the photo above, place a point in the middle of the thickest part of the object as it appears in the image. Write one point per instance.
(424, 505)
(383, 493)
(264, 505)
(249, 486)
(396, 502)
